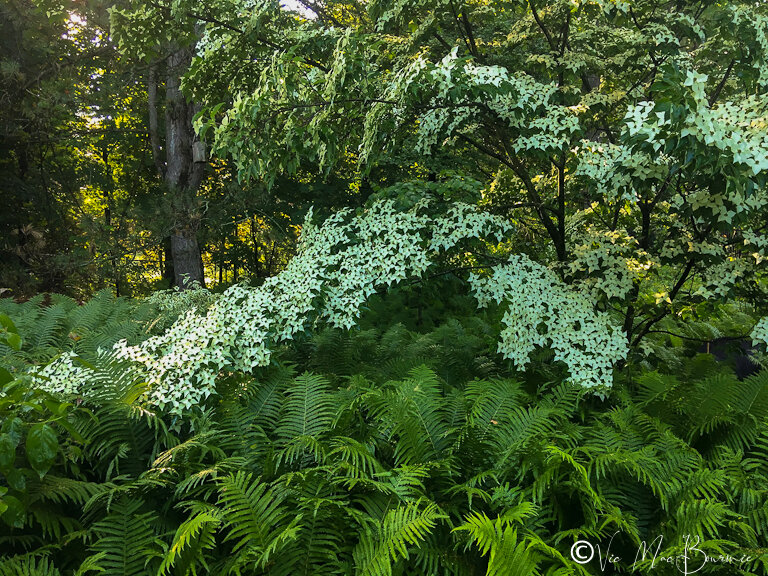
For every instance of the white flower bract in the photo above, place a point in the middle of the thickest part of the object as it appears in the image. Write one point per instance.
(338, 266)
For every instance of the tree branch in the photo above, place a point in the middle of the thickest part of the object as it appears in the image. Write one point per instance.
(550, 40)
(716, 94)
(228, 26)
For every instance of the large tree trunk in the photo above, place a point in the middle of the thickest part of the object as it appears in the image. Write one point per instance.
(187, 262)
(181, 173)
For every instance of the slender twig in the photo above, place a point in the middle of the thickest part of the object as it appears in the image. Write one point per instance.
(550, 41)
(721, 85)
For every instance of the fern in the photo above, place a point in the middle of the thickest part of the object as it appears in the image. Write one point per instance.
(498, 539)
(126, 541)
(412, 410)
(306, 416)
(491, 403)
(401, 528)
(28, 565)
(254, 519)
(526, 428)
(48, 336)
(308, 409)
(409, 453)
(320, 537)
(266, 398)
(193, 538)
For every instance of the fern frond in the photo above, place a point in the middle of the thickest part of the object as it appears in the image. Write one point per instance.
(498, 540)
(126, 541)
(491, 403)
(193, 537)
(254, 517)
(526, 427)
(702, 518)
(354, 459)
(266, 397)
(28, 565)
(308, 409)
(384, 544)
(60, 490)
(320, 537)
(413, 411)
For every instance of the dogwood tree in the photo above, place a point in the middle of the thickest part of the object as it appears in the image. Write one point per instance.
(629, 138)
(626, 142)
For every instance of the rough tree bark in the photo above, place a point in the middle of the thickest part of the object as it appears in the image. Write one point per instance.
(182, 175)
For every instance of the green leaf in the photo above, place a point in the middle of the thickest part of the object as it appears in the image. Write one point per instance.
(42, 447)
(7, 451)
(16, 479)
(14, 341)
(70, 429)
(7, 323)
(5, 376)
(13, 515)
(56, 407)
(13, 427)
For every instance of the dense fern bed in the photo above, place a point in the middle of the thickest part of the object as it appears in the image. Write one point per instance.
(404, 449)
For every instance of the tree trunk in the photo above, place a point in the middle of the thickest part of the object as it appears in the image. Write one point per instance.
(255, 240)
(169, 275)
(182, 174)
(186, 258)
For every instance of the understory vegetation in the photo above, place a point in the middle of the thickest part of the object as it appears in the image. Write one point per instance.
(405, 446)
